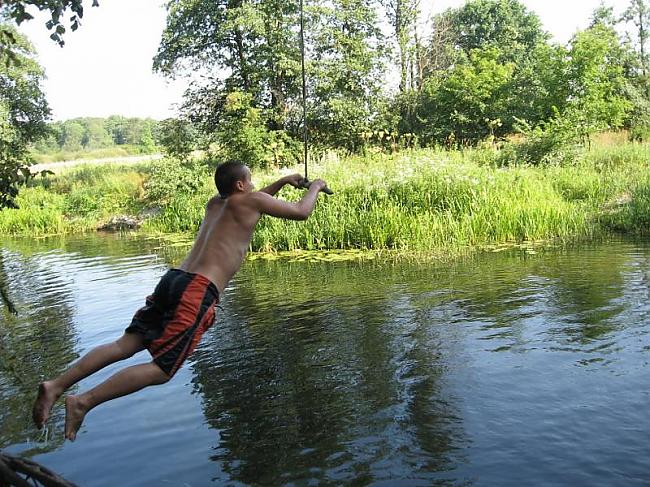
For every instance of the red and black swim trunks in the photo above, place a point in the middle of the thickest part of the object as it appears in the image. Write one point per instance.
(175, 317)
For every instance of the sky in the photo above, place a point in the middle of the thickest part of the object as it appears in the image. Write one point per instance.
(105, 67)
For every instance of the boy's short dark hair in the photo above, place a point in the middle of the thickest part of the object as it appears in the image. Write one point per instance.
(227, 174)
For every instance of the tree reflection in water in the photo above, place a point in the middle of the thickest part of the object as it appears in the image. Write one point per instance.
(316, 372)
(36, 342)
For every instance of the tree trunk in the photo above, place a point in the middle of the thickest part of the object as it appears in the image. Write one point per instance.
(642, 41)
(419, 61)
(243, 68)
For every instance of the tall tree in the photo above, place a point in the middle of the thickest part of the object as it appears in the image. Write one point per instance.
(596, 80)
(403, 16)
(638, 13)
(504, 24)
(237, 45)
(469, 103)
(23, 113)
(441, 51)
(346, 70)
(478, 41)
(252, 47)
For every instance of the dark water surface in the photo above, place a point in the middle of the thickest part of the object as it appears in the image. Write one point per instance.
(502, 369)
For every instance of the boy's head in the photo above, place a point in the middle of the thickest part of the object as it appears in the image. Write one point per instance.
(232, 177)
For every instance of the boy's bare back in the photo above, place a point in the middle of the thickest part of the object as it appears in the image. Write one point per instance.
(229, 223)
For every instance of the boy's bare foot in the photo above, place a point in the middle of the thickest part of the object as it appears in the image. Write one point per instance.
(47, 396)
(75, 412)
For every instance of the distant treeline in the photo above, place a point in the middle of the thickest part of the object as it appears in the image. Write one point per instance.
(90, 134)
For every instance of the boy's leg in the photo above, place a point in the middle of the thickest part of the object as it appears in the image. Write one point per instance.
(98, 358)
(126, 381)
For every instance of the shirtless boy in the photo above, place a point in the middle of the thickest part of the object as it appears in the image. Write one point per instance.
(181, 308)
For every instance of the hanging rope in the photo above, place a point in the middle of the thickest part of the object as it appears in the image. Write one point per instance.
(305, 182)
(304, 87)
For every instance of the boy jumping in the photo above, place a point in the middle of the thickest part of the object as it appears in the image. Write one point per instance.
(181, 308)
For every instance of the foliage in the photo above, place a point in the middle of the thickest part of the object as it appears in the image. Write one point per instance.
(244, 136)
(403, 17)
(596, 80)
(638, 14)
(178, 138)
(170, 177)
(253, 48)
(345, 73)
(89, 134)
(469, 103)
(488, 64)
(505, 25)
(539, 88)
(16, 10)
(255, 43)
(23, 113)
(554, 142)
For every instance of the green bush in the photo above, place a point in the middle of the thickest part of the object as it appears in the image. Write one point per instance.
(640, 133)
(170, 178)
(243, 135)
(553, 142)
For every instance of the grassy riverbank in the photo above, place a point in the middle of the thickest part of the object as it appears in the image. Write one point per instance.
(421, 200)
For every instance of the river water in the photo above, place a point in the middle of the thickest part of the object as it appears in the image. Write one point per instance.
(509, 368)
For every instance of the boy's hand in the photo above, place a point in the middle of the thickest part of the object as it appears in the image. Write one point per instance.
(294, 180)
(320, 184)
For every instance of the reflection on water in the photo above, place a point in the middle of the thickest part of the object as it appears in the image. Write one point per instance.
(502, 369)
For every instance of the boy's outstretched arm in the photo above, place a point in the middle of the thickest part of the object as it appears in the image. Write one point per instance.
(299, 210)
(273, 188)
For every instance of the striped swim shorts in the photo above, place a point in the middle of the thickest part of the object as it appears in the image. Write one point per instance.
(175, 316)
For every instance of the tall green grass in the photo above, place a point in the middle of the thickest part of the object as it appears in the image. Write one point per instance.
(426, 201)
(75, 201)
(416, 201)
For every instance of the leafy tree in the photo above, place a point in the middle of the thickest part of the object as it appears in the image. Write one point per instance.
(116, 126)
(539, 87)
(23, 114)
(177, 137)
(469, 103)
(638, 13)
(503, 24)
(72, 136)
(95, 135)
(253, 48)
(243, 135)
(596, 81)
(256, 43)
(441, 52)
(512, 72)
(346, 72)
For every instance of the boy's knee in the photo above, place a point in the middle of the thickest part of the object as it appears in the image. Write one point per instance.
(160, 376)
(164, 378)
